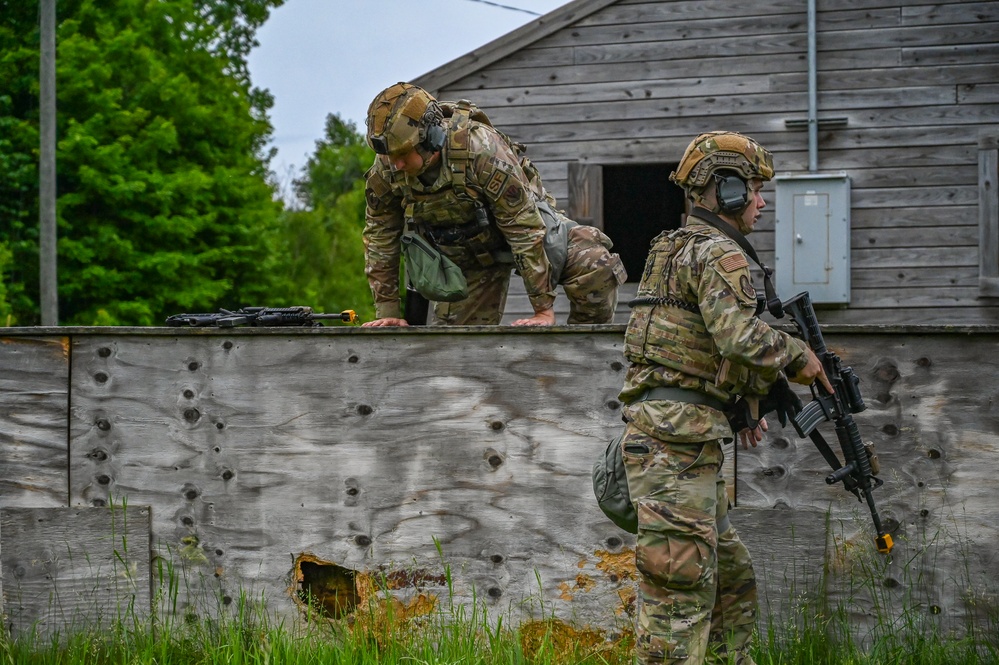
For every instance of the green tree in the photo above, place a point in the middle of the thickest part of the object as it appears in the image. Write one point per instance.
(163, 202)
(6, 317)
(322, 243)
(19, 153)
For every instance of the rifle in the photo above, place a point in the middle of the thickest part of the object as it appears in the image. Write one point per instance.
(858, 472)
(259, 317)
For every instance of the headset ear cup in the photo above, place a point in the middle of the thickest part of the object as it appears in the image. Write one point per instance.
(733, 193)
(435, 138)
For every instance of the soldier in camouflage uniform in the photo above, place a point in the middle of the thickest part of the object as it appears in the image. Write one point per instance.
(442, 168)
(695, 343)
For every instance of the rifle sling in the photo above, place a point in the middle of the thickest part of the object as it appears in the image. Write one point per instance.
(824, 449)
(773, 303)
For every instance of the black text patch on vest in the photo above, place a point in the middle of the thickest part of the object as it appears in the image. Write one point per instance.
(495, 184)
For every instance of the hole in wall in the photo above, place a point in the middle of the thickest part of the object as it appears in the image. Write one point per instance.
(328, 589)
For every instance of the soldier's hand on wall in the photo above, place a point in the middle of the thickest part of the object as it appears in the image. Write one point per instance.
(542, 318)
(377, 323)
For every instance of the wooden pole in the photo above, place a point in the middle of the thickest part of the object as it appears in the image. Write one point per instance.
(48, 296)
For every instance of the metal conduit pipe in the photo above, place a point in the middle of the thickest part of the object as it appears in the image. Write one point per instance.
(813, 121)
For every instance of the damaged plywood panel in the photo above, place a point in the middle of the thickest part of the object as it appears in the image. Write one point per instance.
(68, 569)
(366, 451)
(34, 397)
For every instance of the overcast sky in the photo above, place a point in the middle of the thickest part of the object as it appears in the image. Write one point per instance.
(333, 56)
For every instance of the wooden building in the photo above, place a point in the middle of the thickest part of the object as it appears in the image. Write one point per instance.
(608, 93)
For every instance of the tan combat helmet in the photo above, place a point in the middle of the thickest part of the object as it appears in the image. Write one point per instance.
(404, 117)
(728, 151)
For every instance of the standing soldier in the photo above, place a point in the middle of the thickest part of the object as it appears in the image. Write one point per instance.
(447, 174)
(695, 344)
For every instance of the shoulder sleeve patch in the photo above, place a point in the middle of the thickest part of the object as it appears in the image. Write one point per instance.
(733, 262)
(495, 184)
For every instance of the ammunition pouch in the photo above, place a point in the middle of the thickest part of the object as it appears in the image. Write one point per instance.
(480, 237)
(484, 241)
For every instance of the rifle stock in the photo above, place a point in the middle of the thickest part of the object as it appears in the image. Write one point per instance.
(856, 471)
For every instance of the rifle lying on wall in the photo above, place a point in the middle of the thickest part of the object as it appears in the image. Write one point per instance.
(858, 472)
(260, 317)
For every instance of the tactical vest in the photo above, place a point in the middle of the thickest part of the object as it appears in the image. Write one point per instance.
(456, 216)
(667, 329)
(450, 213)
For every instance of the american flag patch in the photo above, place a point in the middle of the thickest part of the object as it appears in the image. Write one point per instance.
(732, 262)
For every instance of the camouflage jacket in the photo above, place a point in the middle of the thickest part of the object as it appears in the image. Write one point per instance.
(704, 337)
(479, 166)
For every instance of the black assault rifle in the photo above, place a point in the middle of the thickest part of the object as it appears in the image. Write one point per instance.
(259, 317)
(859, 470)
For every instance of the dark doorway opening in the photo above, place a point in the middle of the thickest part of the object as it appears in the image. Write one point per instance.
(640, 202)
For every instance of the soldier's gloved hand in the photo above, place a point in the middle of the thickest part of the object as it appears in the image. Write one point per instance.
(744, 414)
(782, 401)
(748, 411)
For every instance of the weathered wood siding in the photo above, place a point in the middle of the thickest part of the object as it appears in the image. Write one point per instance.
(915, 82)
(67, 569)
(264, 456)
(34, 396)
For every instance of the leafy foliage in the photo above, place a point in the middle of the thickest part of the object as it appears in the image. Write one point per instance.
(6, 317)
(164, 204)
(323, 250)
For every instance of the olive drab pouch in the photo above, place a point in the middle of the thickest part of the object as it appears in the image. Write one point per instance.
(610, 486)
(430, 273)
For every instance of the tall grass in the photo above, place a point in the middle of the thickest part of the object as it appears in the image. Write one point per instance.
(875, 610)
(814, 631)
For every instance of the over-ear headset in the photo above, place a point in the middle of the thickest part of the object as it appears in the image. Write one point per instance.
(732, 193)
(432, 128)
(434, 140)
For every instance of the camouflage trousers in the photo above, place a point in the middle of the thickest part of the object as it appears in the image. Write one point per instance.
(590, 280)
(697, 594)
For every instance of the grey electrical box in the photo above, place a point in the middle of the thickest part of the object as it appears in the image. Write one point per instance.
(812, 237)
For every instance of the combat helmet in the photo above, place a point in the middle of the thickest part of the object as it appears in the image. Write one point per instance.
(728, 151)
(404, 117)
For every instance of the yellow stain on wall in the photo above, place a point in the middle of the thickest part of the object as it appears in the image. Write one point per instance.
(618, 565)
